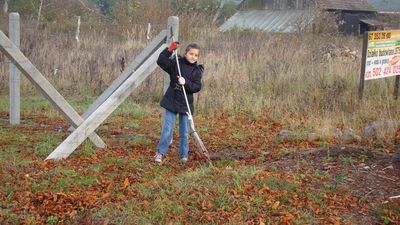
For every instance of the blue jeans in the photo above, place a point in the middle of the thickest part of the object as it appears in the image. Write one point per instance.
(168, 130)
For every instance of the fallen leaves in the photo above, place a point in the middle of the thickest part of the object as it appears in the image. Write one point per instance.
(48, 203)
(125, 184)
(124, 174)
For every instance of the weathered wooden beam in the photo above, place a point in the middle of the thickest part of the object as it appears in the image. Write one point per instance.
(172, 30)
(43, 85)
(104, 110)
(150, 49)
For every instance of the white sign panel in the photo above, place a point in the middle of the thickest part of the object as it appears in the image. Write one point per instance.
(383, 54)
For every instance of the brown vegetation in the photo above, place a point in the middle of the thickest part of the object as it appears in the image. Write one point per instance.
(285, 74)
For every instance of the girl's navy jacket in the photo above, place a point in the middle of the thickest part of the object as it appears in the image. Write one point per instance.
(174, 99)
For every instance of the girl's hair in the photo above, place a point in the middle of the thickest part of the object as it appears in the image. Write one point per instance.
(192, 45)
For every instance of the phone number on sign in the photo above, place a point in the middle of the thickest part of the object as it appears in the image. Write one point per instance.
(383, 71)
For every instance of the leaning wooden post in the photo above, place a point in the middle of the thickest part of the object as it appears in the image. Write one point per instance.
(14, 74)
(106, 108)
(43, 85)
(173, 25)
(154, 45)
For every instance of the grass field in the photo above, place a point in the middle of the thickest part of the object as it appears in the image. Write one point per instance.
(270, 183)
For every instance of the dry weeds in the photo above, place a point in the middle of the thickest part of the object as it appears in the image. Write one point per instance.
(287, 75)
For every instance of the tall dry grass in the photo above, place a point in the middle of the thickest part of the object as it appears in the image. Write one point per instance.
(87, 67)
(285, 75)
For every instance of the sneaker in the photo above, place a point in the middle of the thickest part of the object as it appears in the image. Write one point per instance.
(158, 157)
(184, 159)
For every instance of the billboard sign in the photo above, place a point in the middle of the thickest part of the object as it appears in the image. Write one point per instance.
(382, 54)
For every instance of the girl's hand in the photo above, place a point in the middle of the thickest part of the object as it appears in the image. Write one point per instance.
(181, 81)
(173, 46)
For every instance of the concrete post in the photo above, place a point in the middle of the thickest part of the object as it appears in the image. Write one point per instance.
(15, 75)
(172, 26)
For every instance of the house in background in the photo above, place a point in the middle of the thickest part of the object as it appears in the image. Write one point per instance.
(295, 15)
(350, 13)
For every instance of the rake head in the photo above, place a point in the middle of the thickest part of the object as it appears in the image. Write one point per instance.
(200, 145)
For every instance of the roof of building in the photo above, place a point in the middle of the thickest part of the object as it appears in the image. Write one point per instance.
(268, 20)
(351, 5)
(386, 5)
(372, 22)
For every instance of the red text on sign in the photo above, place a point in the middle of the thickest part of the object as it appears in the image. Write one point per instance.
(376, 72)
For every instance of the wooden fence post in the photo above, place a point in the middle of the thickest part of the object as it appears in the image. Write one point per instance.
(173, 25)
(14, 74)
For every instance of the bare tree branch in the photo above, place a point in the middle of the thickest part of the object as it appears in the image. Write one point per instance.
(84, 5)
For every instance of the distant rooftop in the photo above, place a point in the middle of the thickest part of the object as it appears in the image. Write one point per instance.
(386, 5)
(351, 5)
(268, 20)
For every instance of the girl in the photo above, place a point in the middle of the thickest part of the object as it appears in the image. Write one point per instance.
(173, 100)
